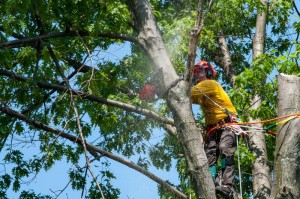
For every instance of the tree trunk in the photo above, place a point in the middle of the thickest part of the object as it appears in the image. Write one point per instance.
(287, 153)
(153, 45)
(260, 169)
(191, 140)
(226, 62)
(177, 95)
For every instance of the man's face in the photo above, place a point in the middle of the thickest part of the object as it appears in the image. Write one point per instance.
(199, 74)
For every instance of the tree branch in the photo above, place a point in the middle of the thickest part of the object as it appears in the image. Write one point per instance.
(91, 148)
(32, 41)
(114, 103)
(226, 60)
(66, 80)
(94, 98)
(194, 37)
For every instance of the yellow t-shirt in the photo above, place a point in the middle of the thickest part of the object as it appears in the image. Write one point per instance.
(215, 92)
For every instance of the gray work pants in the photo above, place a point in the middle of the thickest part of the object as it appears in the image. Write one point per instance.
(222, 142)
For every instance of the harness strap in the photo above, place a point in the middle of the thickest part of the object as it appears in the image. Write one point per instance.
(229, 119)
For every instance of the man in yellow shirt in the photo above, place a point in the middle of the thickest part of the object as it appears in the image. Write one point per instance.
(217, 109)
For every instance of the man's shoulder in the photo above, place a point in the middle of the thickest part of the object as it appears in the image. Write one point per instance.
(209, 82)
(206, 85)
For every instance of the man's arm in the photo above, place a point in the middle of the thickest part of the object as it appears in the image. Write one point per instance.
(205, 88)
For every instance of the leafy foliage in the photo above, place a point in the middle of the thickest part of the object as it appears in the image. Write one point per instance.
(83, 58)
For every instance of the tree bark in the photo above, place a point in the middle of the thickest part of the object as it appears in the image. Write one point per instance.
(150, 38)
(260, 168)
(287, 156)
(226, 60)
(177, 95)
(191, 140)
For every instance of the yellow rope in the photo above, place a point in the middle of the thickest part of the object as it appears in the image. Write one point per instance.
(290, 117)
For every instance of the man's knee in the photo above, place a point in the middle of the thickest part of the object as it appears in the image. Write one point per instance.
(226, 149)
(227, 161)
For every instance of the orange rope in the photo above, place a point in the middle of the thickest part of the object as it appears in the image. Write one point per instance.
(256, 122)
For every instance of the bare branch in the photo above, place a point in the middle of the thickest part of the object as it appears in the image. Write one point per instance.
(295, 6)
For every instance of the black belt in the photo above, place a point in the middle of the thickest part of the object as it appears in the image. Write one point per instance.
(220, 122)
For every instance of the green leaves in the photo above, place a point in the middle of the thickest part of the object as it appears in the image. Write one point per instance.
(22, 168)
(5, 182)
(77, 178)
(101, 72)
(287, 63)
(246, 157)
(32, 195)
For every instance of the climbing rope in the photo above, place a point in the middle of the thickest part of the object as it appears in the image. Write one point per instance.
(239, 166)
(236, 127)
(215, 103)
(239, 129)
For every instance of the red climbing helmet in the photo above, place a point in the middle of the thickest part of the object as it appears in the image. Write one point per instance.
(209, 69)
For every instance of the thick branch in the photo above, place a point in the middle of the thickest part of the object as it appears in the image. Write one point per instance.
(114, 103)
(32, 41)
(164, 74)
(194, 36)
(287, 156)
(93, 98)
(226, 60)
(262, 178)
(91, 148)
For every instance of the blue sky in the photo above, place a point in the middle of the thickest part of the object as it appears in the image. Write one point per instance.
(132, 184)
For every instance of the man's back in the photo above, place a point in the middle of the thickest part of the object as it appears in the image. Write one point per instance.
(211, 96)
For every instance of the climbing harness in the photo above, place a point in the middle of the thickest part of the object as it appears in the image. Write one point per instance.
(236, 127)
(242, 128)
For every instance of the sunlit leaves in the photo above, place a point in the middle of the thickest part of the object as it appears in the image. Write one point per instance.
(32, 195)
(281, 10)
(246, 157)
(289, 63)
(245, 161)
(259, 80)
(111, 128)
